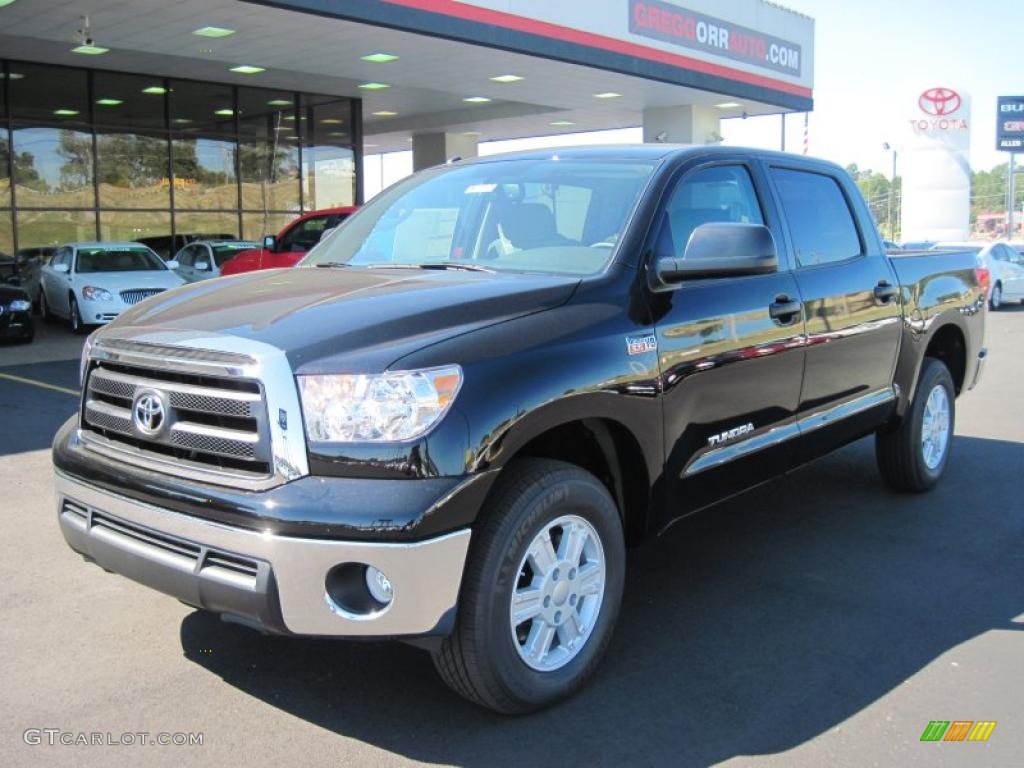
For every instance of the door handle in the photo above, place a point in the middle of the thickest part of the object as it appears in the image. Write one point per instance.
(784, 309)
(886, 291)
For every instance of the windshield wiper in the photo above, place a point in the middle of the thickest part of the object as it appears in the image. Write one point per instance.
(454, 266)
(333, 264)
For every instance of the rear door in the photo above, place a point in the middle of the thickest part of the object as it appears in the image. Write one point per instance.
(851, 307)
(731, 356)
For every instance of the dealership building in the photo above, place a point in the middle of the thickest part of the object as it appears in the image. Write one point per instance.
(122, 119)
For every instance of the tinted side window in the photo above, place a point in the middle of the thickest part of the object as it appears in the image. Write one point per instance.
(820, 221)
(720, 193)
(305, 234)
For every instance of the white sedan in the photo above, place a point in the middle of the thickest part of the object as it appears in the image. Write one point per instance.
(203, 259)
(92, 283)
(1005, 265)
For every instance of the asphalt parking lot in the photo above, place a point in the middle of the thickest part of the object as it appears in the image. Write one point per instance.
(820, 620)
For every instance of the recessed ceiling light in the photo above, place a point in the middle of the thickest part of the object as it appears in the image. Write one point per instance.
(562, 123)
(289, 118)
(280, 103)
(507, 79)
(65, 112)
(248, 69)
(14, 76)
(155, 90)
(476, 100)
(370, 146)
(380, 58)
(728, 105)
(472, 134)
(337, 134)
(90, 50)
(292, 138)
(109, 102)
(608, 95)
(181, 120)
(332, 121)
(385, 113)
(374, 86)
(224, 112)
(213, 31)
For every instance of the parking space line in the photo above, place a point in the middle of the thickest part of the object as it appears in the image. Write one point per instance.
(43, 384)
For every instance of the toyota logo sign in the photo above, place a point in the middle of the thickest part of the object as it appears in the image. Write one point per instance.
(939, 102)
(148, 413)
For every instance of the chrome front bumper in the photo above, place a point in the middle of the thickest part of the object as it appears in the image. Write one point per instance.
(274, 582)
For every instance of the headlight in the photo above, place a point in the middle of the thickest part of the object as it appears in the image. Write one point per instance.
(83, 365)
(91, 293)
(385, 407)
(20, 305)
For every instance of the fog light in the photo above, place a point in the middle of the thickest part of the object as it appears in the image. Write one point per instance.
(379, 586)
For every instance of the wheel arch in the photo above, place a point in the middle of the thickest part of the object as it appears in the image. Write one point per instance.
(609, 450)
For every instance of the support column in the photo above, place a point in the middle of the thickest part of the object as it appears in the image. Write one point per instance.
(689, 124)
(430, 149)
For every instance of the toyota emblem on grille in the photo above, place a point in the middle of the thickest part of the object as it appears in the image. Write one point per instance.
(149, 414)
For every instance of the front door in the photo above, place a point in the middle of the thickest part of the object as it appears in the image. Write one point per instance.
(730, 349)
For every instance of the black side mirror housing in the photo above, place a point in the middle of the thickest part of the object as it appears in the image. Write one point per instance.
(721, 249)
(270, 243)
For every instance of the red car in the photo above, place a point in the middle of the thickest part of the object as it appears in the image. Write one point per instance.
(291, 244)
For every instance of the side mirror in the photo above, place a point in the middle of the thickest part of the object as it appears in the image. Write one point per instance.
(172, 264)
(270, 243)
(202, 266)
(62, 268)
(722, 249)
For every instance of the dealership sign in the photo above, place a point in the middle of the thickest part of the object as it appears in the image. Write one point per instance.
(1010, 124)
(939, 110)
(688, 29)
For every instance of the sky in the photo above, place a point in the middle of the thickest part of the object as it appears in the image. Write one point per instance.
(872, 59)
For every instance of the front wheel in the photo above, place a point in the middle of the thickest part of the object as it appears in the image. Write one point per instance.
(541, 591)
(913, 456)
(995, 301)
(75, 317)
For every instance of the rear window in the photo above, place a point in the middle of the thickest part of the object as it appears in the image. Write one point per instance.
(116, 259)
(820, 221)
(224, 253)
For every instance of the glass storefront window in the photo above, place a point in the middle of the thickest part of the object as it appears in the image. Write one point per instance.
(202, 226)
(328, 177)
(49, 95)
(53, 168)
(123, 156)
(5, 160)
(328, 162)
(132, 171)
(134, 225)
(256, 225)
(40, 228)
(6, 233)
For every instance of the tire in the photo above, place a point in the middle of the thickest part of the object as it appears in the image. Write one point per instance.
(995, 301)
(908, 462)
(75, 317)
(44, 308)
(485, 658)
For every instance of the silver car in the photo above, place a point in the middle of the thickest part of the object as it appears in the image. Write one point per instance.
(202, 260)
(1005, 265)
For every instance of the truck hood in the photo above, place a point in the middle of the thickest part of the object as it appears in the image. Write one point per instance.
(340, 320)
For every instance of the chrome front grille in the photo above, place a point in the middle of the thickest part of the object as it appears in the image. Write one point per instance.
(138, 294)
(206, 421)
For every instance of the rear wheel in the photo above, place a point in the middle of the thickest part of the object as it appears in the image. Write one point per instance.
(541, 591)
(913, 456)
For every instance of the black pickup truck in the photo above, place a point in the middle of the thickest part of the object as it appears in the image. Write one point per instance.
(447, 423)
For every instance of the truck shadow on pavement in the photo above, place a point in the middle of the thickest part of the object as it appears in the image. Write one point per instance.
(746, 630)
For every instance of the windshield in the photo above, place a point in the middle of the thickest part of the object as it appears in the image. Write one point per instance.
(551, 215)
(118, 259)
(223, 253)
